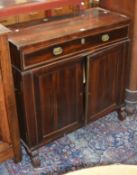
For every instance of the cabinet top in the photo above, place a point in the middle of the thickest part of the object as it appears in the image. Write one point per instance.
(15, 7)
(95, 20)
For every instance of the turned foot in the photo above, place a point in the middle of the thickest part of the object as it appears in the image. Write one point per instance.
(35, 159)
(34, 155)
(18, 156)
(122, 113)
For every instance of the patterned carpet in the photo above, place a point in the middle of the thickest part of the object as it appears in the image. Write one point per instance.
(105, 141)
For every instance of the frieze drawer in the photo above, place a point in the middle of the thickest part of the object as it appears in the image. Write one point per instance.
(32, 58)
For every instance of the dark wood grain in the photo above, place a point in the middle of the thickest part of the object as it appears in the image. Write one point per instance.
(104, 82)
(59, 110)
(51, 111)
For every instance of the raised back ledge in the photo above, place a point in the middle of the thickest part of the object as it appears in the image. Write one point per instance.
(4, 30)
(94, 20)
(12, 7)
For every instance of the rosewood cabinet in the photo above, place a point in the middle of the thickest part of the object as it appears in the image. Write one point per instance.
(67, 73)
(9, 131)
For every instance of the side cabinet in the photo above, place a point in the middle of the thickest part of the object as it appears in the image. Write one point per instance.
(106, 80)
(58, 98)
(70, 76)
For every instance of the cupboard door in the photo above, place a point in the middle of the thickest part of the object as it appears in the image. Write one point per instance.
(105, 80)
(58, 93)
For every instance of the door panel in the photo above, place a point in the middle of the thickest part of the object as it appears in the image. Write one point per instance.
(104, 71)
(58, 98)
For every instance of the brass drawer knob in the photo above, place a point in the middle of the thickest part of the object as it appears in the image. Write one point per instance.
(57, 51)
(105, 37)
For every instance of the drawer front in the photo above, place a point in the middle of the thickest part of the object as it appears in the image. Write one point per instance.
(61, 50)
(62, 11)
(9, 20)
(31, 16)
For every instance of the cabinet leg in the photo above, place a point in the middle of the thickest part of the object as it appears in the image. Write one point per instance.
(35, 159)
(34, 155)
(122, 113)
(18, 155)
